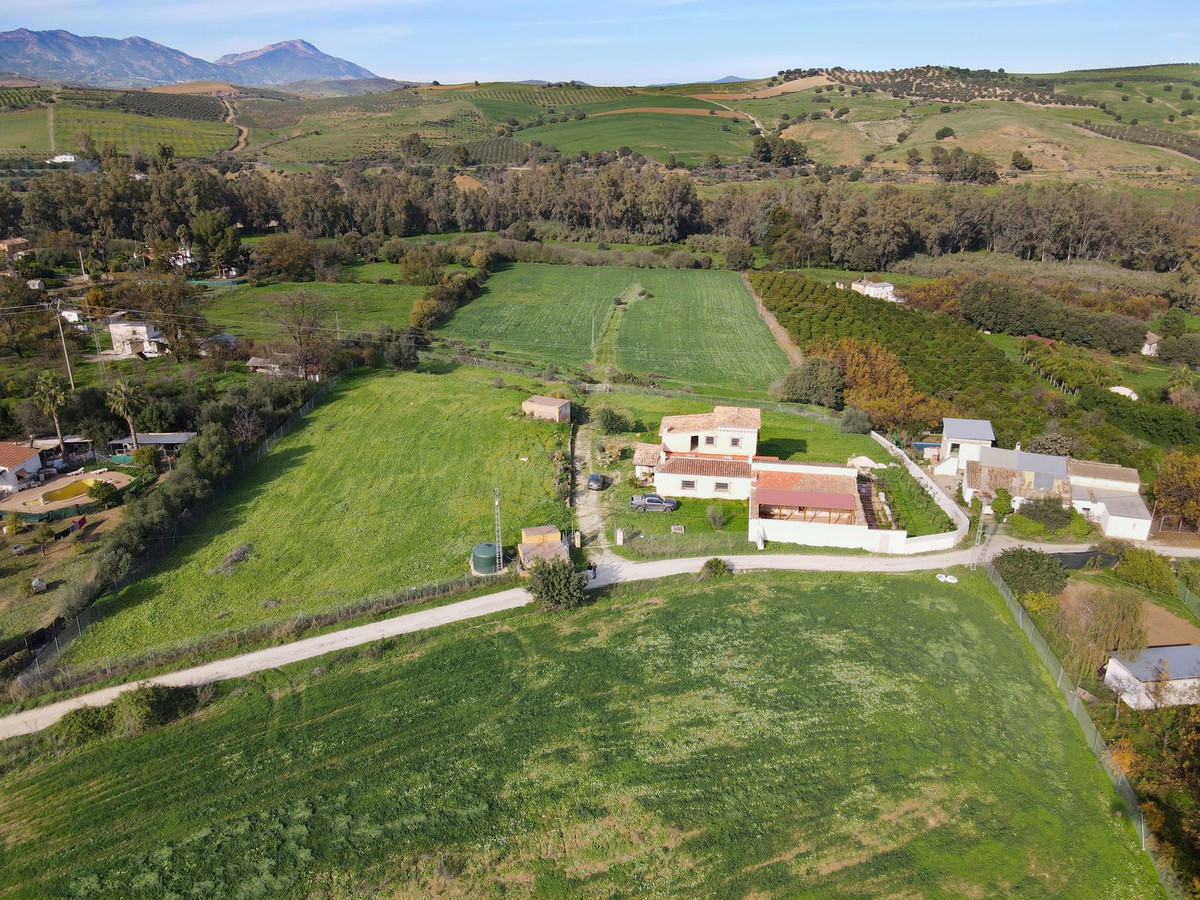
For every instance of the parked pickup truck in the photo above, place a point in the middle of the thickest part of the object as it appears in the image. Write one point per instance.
(653, 502)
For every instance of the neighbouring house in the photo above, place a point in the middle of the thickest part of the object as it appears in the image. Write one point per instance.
(137, 339)
(35, 284)
(76, 447)
(1150, 345)
(552, 409)
(1109, 495)
(284, 367)
(62, 158)
(962, 442)
(222, 342)
(1026, 476)
(10, 247)
(166, 441)
(72, 316)
(17, 465)
(880, 290)
(542, 543)
(1157, 677)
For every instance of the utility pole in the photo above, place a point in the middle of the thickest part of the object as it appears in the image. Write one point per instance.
(62, 337)
(82, 270)
(499, 543)
(99, 353)
(337, 322)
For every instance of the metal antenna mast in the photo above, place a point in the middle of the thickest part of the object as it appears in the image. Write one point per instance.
(499, 544)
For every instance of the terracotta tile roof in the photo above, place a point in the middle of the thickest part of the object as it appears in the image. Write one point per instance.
(12, 455)
(720, 417)
(805, 481)
(695, 465)
(646, 454)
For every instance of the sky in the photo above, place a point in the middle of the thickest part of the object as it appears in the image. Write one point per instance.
(650, 41)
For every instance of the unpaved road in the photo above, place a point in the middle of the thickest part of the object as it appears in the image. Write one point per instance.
(612, 570)
(782, 338)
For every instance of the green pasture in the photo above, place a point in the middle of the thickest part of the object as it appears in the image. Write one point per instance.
(690, 139)
(378, 490)
(24, 131)
(364, 306)
(808, 736)
(693, 326)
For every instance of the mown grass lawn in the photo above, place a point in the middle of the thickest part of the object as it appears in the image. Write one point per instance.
(785, 735)
(696, 327)
(359, 306)
(386, 485)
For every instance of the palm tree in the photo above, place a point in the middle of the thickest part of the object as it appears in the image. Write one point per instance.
(50, 396)
(125, 399)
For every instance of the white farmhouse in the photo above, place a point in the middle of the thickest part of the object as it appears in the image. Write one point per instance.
(137, 338)
(1150, 345)
(880, 290)
(706, 455)
(17, 463)
(1109, 496)
(1157, 677)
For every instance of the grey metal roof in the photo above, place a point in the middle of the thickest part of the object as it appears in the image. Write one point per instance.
(161, 438)
(1179, 660)
(968, 430)
(1127, 504)
(1042, 464)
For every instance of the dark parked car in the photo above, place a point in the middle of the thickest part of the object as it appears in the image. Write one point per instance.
(595, 482)
(653, 502)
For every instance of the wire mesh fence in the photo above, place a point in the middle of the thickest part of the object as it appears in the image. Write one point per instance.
(1072, 694)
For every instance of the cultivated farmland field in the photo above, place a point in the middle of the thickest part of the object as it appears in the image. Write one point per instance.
(359, 307)
(690, 139)
(694, 326)
(24, 132)
(379, 489)
(808, 736)
(129, 130)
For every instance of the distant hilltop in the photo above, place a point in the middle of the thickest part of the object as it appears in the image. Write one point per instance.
(138, 62)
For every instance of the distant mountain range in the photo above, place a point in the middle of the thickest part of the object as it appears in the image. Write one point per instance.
(137, 62)
(730, 79)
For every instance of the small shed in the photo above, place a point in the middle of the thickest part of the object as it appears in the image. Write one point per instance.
(542, 543)
(1150, 345)
(552, 409)
(645, 459)
(1158, 676)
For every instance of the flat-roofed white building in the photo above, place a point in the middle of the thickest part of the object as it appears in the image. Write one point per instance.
(1156, 677)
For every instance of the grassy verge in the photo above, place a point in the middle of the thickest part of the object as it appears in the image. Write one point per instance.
(763, 735)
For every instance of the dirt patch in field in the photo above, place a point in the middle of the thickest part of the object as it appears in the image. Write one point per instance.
(788, 87)
(194, 87)
(467, 183)
(1163, 627)
(672, 111)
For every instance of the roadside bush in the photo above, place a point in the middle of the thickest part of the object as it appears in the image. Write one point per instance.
(738, 256)
(556, 585)
(817, 380)
(610, 421)
(402, 353)
(1002, 506)
(148, 706)
(82, 726)
(1027, 571)
(1146, 569)
(714, 568)
(1041, 603)
(855, 421)
(1189, 573)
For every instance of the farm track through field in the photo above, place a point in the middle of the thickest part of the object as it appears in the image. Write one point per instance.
(734, 113)
(243, 135)
(612, 570)
(50, 121)
(604, 354)
(782, 338)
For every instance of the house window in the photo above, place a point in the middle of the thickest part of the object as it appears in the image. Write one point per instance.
(709, 440)
(688, 485)
(735, 442)
(722, 486)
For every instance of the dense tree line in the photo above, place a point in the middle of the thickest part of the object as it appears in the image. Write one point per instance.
(800, 221)
(1010, 308)
(1161, 423)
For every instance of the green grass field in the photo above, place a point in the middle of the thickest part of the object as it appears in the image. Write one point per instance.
(690, 139)
(24, 132)
(129, 130)
(807, 736)
(359, 306)
(695, 326)
(378, 490)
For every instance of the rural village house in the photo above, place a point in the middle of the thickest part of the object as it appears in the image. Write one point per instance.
(1150, 346)
(137, 339)
(11, 247)
(1158, 676)
(169, 441)
(17, 464)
